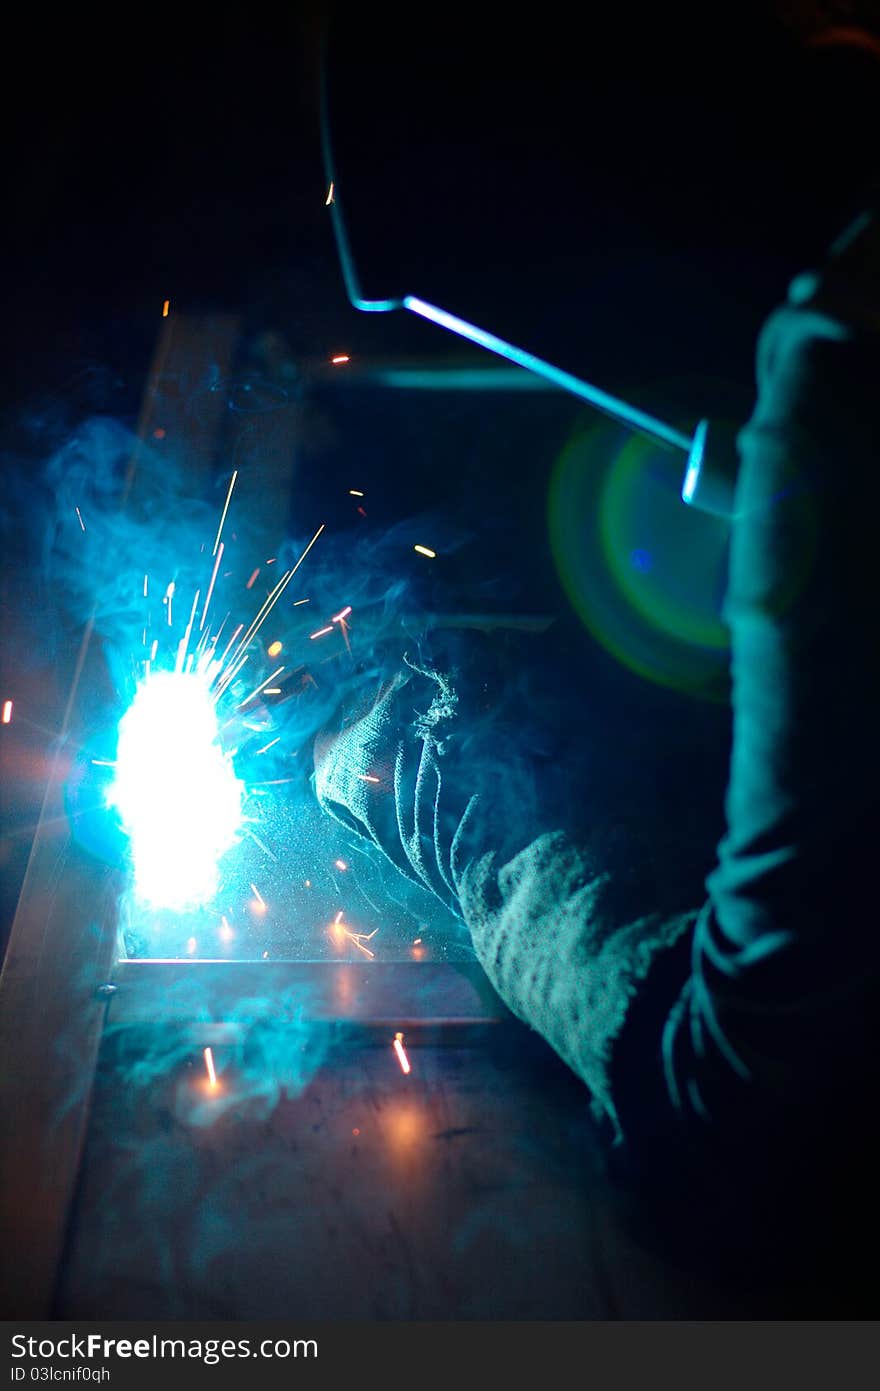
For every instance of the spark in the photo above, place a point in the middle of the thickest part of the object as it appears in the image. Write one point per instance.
(211, 586)
(7, 712)
(424, 550)
(191, 945)
(271, 744)
(401, 1053)
(225, 510)
(272, 690)
(275, 596)
(146, 585)
(259, 898)
(226, 932)
(297, 602)
(209, 1065)
(261, 687)
(339, 359)
(340, 864)
(417, 941)
(337, 618)
(357, 939)
(169, 596)
(165, 307)
(329, 199)
(230, 642)
(154, 649)
(271, 560)
(79, 514)
(250, 583)
(355, 492)
(340, 933)
(184, 641)
(98, 762)
(321, 632)
(368, 777)
(265, 849)
(273, 649)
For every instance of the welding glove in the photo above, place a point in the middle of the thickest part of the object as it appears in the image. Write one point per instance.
(459, 800)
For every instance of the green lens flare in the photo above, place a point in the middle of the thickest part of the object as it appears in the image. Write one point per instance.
(645, 574)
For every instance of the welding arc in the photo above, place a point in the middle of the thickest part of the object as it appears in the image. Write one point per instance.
(621, 411)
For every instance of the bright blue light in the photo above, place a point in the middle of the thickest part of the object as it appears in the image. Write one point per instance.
(695, 462)
(176, 791)
(618, 410)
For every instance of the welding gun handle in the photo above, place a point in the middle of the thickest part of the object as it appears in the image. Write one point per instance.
(712, 469)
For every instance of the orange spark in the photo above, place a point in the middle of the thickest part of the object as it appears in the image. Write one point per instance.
(165, 307)
(338, 617)
(250, 583)
(209, 1065)
(259, 904)
(7, 712)
(340, 864)
(401, 1053)
(273, 649)
(339, 359)
(321, 632)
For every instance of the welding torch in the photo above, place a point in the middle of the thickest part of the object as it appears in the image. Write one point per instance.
(709, 482)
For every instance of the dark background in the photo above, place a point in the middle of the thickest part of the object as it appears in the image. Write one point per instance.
(626, 195)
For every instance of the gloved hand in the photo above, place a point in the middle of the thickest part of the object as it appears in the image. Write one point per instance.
(382, 773)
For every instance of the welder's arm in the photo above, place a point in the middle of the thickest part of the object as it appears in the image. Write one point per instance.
(784, 948)
(565, 931)
(785, 952)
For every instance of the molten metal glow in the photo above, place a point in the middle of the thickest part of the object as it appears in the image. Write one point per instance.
(176, 791)
(401, 1053)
